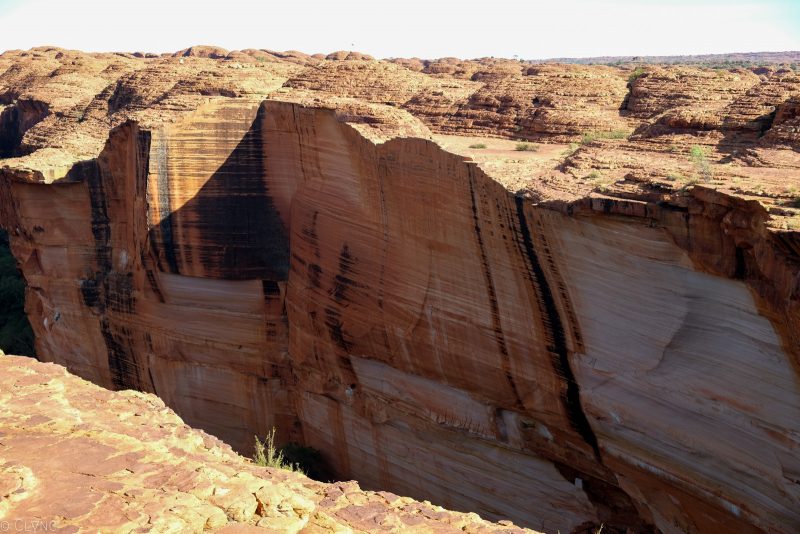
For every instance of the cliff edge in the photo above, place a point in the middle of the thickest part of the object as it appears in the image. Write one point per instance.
(77, 457)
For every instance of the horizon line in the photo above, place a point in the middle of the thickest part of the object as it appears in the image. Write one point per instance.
(631, 57)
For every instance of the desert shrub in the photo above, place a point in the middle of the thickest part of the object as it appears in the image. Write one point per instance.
(292, 457)
(637, 73)
(598, 181)
(689, 183)
(682, 182)
(570, 150)
(697, 154)
(267, 455)
(589, 137)
(526, 147)
(794, 197)
(478, 145)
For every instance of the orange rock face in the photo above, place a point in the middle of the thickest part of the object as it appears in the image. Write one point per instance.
(564, 336)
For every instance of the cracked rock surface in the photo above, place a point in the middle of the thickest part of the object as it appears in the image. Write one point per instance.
(88, 459)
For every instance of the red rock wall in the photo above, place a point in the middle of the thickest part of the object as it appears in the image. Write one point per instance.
(396, 308)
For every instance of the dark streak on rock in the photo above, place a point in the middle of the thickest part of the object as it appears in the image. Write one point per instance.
(90, 292)
(341, 281)
(119, 295)
(554, 333)
(238, 233)
(121, 360)
(315, 274)
(151, 279)
(164, 207)
(333, 320)
(107, 289)
(383, 171)
(310, 234)
(489, 283)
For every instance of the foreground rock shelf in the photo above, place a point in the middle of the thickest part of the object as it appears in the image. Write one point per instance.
(487, 330)
(78, 457)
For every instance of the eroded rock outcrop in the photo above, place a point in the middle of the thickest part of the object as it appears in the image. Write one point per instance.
(76, 457)
(566, 338)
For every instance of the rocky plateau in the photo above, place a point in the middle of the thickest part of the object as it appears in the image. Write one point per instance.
(563, 296)
(80, 458)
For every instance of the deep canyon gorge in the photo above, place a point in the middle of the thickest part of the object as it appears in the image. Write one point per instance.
(601, 328)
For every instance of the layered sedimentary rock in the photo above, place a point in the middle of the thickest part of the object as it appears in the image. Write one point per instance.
(498, 98)
(566, 338)
(734, 103)
(76, 457)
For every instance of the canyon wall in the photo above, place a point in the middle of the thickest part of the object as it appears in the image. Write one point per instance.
(562, 365)
(604, 333)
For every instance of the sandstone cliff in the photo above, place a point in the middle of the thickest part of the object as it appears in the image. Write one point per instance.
(605, 333)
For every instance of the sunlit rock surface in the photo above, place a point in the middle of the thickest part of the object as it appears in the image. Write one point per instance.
(566, 338)
(76, 457)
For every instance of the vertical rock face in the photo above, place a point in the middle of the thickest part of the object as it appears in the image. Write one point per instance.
(269, 264)
(702, 332)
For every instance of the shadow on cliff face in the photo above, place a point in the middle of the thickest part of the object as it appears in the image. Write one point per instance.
(15, 120)
(16, 336)
(230, 229)
(236, 231)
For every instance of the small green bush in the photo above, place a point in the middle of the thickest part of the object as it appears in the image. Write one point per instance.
(292, 457)
(526, 147)
(599, 182)
(589, 137)
(570, 150)
(267, 455)
(689, 183)
(636, 74)
(478, 145)
(697, 154)
(794, 197)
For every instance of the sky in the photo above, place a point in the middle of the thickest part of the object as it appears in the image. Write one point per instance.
(532, 29)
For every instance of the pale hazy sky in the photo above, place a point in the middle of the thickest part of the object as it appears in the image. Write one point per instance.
(423, 28)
